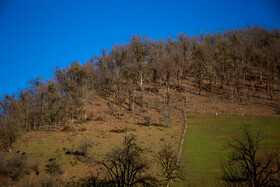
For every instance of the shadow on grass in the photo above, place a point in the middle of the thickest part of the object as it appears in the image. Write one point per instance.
(123, 130)
(151, 124)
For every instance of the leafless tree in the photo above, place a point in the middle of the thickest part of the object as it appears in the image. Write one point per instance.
(127, 166)
(9, 122)
(167, 161)
(244, 166)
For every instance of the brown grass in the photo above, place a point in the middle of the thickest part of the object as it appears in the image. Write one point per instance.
(106, 131)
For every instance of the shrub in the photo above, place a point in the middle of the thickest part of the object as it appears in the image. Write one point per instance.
(54, 168)
(110, 110)
(92, 180)
(49, 181)
(84, 147)
(165, 119)
(101, 116)
(9, 132)
(82, 129)
(36, 166)
(148, 119)
(66, 129)
(13, 165)
(123, 130)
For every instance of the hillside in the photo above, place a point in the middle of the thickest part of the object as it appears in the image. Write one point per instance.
(144, 87)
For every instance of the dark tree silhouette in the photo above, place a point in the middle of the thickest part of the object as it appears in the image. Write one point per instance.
(246, 167)
(127, 166)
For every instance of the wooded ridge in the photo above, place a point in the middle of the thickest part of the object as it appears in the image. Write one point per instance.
(239, 64)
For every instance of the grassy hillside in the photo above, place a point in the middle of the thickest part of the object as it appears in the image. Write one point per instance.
(204, 145)
(205, 142)
(142, 88)
(105, 134)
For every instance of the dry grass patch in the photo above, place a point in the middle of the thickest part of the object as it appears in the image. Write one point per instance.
(104, 135)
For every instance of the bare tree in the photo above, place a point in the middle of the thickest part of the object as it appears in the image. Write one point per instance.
(166, 159)
(244, 166)
(75, 85)
(199, 65)
(9, 123)
(127, 166)
(140, 49)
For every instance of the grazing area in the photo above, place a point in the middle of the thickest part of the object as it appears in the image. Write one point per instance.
(67, 144)
(139, 93)
(206, 143)
(124, 117)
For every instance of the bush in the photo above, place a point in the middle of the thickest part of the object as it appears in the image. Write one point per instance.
(4, 181)
(92, 180)
(110, 110)
(165, 119)
(82, 129)
(66, 129)
(123, 130)
(54, 168)
(148, 119)
(84, 147)
(13, 165)
(9, 132)
(36, 166)
(102, 116)
(47, 181)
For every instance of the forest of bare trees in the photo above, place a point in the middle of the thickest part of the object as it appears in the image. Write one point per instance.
(240, 64)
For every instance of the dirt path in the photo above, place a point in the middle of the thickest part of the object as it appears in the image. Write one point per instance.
(182, 140)
(183, 136)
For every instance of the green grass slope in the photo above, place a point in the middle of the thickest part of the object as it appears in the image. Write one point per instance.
(205, 142)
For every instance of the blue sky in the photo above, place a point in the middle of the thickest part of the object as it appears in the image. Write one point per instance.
(36, 36)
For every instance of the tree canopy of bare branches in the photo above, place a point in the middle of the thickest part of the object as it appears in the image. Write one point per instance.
(127, 166)
(245, 166)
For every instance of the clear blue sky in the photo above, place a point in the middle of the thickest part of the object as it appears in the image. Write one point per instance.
(36, 36)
